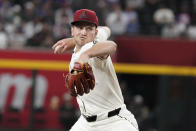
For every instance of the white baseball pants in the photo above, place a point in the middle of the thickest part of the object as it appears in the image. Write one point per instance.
(124, 121)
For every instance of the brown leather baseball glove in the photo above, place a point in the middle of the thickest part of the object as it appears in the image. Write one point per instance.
(80, 80)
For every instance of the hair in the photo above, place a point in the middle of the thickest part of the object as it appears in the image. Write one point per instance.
(83, 23)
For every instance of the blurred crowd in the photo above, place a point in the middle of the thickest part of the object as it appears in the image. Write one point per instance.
(40, 23)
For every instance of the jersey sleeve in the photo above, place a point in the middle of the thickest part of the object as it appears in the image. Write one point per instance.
(101, 35)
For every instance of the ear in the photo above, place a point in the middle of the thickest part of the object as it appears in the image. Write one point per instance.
(72, 30)
(96, 31)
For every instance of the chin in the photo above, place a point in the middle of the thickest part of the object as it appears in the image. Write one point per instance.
(82, 43)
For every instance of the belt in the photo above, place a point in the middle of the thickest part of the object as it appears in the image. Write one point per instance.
(110, 114)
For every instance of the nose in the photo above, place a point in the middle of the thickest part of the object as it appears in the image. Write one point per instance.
(83, 31)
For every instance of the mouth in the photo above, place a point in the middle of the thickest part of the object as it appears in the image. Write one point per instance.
(82, 38)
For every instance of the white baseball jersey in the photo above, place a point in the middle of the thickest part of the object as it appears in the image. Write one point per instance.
(106, 95)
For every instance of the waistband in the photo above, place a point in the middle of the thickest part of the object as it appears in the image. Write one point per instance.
(105, 115)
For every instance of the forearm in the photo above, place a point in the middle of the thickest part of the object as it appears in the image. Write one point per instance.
(64, 45)
(70, 44)
(101, 49)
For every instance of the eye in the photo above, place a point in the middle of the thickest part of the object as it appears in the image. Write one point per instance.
(80, 27)
(89, 28)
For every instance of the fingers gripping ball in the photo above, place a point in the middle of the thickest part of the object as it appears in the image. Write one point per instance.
(80, 80)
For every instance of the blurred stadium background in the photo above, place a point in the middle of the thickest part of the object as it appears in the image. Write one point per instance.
(155, 62)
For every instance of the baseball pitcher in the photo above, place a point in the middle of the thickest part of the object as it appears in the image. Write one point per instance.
(92, 78)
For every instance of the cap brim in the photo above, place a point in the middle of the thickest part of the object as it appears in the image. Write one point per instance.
(75, 22)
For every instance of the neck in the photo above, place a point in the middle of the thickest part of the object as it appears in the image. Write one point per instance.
(77, 48)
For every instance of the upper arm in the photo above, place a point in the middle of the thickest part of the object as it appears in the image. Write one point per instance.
(103, 33)
(105, 29)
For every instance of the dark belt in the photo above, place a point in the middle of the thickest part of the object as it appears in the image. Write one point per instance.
(110, 114)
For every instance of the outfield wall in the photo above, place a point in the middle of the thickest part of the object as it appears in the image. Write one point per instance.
(145, 56)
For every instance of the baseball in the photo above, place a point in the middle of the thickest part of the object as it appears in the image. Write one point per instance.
(57, 49)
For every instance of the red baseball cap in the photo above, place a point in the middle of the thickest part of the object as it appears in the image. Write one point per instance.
(85, 15)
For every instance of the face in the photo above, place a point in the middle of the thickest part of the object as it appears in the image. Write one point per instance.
(83, 33)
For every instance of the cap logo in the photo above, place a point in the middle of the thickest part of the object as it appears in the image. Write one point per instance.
(83, 15)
